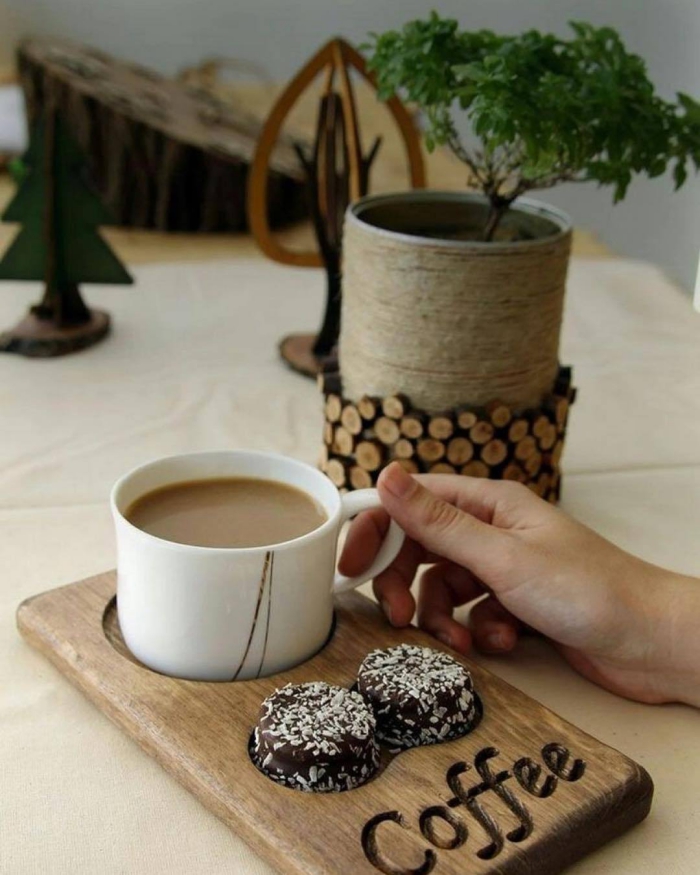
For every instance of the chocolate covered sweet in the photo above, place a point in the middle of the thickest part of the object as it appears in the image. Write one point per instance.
(316, 737)
(419, 695)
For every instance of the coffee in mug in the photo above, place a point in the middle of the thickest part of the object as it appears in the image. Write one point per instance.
(227, 512)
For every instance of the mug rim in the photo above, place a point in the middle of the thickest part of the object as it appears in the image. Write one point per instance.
(260, 454)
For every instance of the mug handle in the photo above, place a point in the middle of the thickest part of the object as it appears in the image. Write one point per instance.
(353, 503)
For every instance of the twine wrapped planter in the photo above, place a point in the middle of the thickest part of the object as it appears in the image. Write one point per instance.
(495, 440)
(431, 312)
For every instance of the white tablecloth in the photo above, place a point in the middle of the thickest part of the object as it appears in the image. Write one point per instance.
(192, 365)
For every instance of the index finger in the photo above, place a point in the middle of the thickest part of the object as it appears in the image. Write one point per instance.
(474, 495)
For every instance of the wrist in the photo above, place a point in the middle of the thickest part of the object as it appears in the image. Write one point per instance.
(673, 615)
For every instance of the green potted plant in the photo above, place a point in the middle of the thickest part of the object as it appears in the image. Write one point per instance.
(456, 298)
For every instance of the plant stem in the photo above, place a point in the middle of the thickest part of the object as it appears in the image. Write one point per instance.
(461, 153)
(493, 220)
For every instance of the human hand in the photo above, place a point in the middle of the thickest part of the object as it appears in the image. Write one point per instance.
(621, 622)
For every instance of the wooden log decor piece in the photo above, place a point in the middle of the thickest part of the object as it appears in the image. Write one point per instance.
(523, 792)
(162, 154)
(494, 440)
(337, 172)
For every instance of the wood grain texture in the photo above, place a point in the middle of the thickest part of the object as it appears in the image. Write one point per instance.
(41, 338)
(525, 792)
(335, 57)
(162, 155)
(297, 350)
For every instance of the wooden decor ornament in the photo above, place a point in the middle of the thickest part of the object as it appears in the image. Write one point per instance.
(164, 154)
(337, 173)
(58, 244)
(493, 440)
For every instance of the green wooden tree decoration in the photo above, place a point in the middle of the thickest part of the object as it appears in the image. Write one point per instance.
(58, 244)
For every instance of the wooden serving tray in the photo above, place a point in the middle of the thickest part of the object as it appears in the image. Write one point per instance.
(525, 792)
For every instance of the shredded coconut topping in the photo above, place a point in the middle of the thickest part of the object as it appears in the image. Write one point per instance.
(420, 696)
(317, 715)
(415, 671)
(316, 737)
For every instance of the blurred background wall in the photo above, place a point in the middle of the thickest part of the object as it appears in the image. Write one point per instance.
(652, 223)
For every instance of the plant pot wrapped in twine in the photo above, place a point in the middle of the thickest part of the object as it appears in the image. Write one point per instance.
(432, 312)
(448, 355)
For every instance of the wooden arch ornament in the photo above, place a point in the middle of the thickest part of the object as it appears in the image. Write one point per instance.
(337, 173)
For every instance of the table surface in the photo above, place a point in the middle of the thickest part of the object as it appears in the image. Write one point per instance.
(192, 365)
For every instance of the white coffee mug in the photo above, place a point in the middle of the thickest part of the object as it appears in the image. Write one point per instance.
(209, 613)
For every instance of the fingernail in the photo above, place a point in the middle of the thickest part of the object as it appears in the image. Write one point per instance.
(445, 637)
(396, 481)
(386, 608)
(494, 641)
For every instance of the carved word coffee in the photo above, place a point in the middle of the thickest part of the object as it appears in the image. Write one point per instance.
(445, 829)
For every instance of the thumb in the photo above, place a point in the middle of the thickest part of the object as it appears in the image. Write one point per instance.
(441, 527)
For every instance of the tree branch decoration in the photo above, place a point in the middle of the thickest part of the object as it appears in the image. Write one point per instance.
(328, 180)
(337, 172)
(544, 110)
(58, 244)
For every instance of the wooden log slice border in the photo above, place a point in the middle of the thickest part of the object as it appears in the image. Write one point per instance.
(162, 154)
(494, 441)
